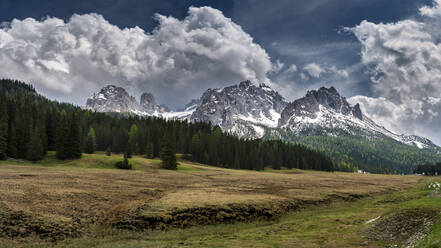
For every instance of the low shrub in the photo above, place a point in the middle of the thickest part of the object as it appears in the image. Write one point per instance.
(124, 165)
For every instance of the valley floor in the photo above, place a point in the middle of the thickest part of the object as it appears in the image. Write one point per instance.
(89, 203)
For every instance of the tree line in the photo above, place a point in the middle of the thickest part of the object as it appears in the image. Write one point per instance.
(428, 169)
(31, 125)
(373, 155)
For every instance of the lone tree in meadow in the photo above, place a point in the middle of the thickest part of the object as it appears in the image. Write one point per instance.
(91, 142)
(168, 150)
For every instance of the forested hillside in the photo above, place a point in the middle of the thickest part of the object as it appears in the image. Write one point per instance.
(30, 125)
(373, 155)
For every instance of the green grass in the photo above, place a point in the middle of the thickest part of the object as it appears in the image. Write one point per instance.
(433, 240)
(99, 160)
(96, 161)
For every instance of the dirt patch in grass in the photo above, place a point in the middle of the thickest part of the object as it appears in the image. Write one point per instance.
(406, 226)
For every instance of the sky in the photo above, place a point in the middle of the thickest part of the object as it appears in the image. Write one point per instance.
(383, 54)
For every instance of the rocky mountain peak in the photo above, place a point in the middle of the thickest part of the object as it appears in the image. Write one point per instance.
(148, 102)
(245, 84)
(310, 105)
(236, 107)
(112, 98)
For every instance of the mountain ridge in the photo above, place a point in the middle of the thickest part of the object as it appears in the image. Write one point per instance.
(251, 111)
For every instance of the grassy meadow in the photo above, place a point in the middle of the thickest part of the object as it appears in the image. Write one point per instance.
(90, 203)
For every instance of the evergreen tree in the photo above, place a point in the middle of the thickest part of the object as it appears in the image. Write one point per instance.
(108, 151)
(133, 139)
(62, 148)
(35, 147)
(168, 150)
(3, 130)
(236, 162)
(196, 147)
(90, 142)
(149, 151)
(12, 142)
(74, 141)
(125, 165)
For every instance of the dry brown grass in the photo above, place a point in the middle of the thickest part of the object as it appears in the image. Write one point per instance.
(66, 193)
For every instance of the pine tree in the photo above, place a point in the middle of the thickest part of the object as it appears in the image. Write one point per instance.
(149, 151)
(196, 147)
(125, 165)
(74, 142)
(35, 147)
(91, 142)
(62, 149)
(168, 150)
(133, 139)
(3, 130)
(236, 164)
(12, 142)
(108, 151)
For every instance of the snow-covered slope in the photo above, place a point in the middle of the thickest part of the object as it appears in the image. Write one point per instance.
(325, 112)
(183, 114)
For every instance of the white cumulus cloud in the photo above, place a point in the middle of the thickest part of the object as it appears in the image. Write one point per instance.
(176, 61)
(313, 69)
(405, 58)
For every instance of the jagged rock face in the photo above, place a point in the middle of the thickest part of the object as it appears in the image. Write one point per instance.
(325, 112)
(113, 99)
(238, 107)
(309, 106)
(116, 99)
(148, 102)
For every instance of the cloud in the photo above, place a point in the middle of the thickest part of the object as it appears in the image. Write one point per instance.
(432, 11)
(381, 110)
(278, 66)
(292, 68)
(176, 61)
(342, 73)
(405, 62)
(313, 70)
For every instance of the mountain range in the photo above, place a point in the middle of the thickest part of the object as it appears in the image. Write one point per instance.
(252, 111)
(322, 119)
